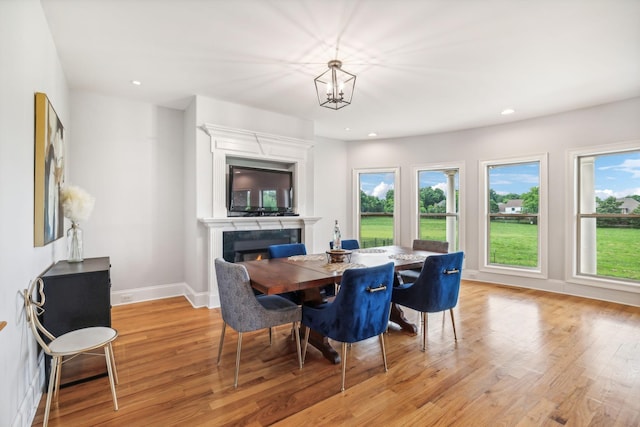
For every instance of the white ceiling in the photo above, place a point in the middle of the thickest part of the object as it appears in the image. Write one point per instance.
(422, 66)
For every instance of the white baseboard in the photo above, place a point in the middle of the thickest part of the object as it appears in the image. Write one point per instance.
(556, 286)
(149, 293)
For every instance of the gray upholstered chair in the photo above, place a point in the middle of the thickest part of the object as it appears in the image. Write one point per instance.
(246, 312)
(439, 246)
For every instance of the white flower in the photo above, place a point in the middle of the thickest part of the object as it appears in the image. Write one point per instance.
(77, 204)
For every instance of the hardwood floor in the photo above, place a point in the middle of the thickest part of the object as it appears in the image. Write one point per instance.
(523, 358)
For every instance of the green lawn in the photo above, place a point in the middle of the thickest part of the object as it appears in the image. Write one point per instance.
(516, 244)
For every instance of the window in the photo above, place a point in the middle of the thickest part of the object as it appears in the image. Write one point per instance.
(607, 215)
(437, 202)
(376, 206)
(514, 220)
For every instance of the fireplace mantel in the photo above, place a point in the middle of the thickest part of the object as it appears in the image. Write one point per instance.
(217, 226)
(244, 144)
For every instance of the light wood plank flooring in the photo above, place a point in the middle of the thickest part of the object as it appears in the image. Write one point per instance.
(523, 358)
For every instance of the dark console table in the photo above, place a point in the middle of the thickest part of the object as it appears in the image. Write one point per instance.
(77, 295)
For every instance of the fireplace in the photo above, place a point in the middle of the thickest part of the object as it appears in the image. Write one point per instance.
(253, 244)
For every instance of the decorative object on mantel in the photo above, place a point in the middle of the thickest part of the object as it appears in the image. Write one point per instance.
(77, 205)
(336, 85)
(48, 222)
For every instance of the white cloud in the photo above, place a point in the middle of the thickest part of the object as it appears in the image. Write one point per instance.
(380, 191)
(618, 194)
(631, 166)
(441, 185)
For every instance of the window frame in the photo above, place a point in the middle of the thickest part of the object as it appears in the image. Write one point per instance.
(573, 212)
(541, 271)
(396, 198)
(415, 202)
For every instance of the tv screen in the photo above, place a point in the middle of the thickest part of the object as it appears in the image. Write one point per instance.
(257, 191)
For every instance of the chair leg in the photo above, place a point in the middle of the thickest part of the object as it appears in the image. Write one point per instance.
(344, 363)
(270, 336)
(52, 380)
(306, 342)
(235, 383)
(113, 364)
(107, 358)
(384, 353)
(296, 331)
(424, 331)
(453, 322)
(56, 390)
(224, 327)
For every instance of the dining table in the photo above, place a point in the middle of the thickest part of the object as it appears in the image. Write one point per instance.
(307, 275)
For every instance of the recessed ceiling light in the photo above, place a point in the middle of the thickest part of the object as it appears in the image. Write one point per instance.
(372, 134)
(136, 82)
(347, 129)
(507, 111)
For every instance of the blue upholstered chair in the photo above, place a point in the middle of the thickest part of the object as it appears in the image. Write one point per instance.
(348, 244)
(436, 289)
(245, 312)
(286, 250)
(440, 246)
(359, 311)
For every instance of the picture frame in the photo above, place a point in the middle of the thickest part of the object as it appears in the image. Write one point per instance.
(49, 174)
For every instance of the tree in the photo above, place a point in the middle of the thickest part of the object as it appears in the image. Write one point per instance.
(388, 202)
(530, 201)
(608, 206)
(431, 196)
(370, 203)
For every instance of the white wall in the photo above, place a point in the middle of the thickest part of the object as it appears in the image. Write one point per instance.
(556, 134)
(28, 64)
(128, 155)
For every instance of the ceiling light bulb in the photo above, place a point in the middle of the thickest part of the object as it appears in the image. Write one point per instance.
(507, 111)
(136, 82)
(372, 134)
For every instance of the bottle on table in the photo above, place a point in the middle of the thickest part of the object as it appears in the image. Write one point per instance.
(337, 238)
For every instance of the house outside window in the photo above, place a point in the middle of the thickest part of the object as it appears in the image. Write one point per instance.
(514, 220)
(606, 215)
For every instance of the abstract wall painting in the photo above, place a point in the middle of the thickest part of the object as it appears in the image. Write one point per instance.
(48, 217)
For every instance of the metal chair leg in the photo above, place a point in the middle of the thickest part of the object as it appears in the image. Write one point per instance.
(235, 383)
(224, 327)
(52, 380)
(107, 358)
(113, 364)
(306, 342)
(344, 363)
(384, 353)
(296, 331)
(424, 331)
(453, 322)
(270, 336)
(56, 390)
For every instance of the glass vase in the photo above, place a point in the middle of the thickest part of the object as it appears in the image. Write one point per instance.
(74, 243)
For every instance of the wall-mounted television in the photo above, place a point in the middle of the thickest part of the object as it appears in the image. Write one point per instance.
(260, 191)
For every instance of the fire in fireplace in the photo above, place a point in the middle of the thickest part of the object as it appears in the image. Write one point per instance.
(251, 245)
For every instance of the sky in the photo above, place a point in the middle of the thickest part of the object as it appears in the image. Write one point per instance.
(616, 175)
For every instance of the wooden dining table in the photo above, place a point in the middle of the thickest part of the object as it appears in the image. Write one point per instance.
(308, 274)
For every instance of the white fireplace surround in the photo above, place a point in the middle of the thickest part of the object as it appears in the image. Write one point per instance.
(244, 144)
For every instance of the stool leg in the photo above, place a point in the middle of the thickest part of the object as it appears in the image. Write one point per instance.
(107, 358)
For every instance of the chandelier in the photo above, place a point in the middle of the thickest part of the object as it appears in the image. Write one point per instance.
(335, 86)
